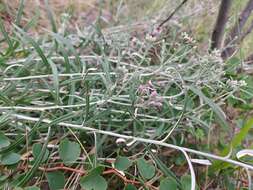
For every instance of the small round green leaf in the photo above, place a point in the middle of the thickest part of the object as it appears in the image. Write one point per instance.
(122, 163)
(36, 150)
(69, 151)
(147, 170)
(4, 141)
(11, 158)
(130, 187)
(93, 182)
(56, 180)
(168, 183)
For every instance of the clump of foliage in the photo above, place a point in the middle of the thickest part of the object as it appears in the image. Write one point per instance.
(99, 109)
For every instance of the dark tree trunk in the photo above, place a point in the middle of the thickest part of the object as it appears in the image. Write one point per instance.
(218, 32)
(236, 35)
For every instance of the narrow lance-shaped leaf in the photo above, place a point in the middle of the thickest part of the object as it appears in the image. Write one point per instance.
(216, 109)
(36, 150)
(6, 35)
(37, 162)
(165, 170)
(51, 17)
(20, 12)
(34, 44)
(21, 139)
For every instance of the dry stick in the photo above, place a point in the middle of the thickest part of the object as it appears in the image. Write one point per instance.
(221, 21)
(235, 33)
(172, 14)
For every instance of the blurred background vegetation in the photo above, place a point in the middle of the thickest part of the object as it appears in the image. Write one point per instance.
(197, 16)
